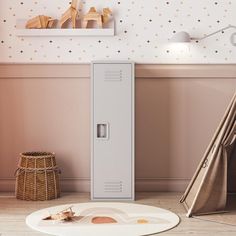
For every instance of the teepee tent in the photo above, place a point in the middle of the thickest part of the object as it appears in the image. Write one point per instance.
(216, 173)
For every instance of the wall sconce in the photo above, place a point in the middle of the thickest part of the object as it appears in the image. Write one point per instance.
(233, 39)
(181, 37)
(184, 37)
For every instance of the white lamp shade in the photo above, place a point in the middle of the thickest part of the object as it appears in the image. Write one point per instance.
(233, 39)
(181, 37)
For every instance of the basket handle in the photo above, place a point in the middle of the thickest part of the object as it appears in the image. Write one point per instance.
(16, 173)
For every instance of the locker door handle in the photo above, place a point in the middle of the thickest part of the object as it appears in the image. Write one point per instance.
(102, 131)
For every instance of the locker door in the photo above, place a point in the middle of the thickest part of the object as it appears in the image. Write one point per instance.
(112, 131)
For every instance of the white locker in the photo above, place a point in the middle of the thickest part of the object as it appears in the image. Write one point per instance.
(112, 157)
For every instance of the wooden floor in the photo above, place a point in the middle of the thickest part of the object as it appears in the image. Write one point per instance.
(13, 213)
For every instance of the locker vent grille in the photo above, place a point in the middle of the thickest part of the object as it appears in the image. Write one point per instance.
(113, 187)
(113, 75)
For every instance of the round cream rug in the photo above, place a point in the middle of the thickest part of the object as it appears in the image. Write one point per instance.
(102, 219)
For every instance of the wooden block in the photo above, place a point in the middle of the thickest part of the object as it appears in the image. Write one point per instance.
(74, 4)
(43, 21)
(96, 16)
(39, 22)
(33, 23)
(50, 23)
(92, 15)
(70, 14)
(106, 14)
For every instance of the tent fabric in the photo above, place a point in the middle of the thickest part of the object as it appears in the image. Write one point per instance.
(232, 172)
(207, 191)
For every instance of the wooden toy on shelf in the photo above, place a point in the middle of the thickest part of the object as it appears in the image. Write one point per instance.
(70, 13)
(106, 14)
(96, 16)
(104, 26)
(40, 22)
(92, 15)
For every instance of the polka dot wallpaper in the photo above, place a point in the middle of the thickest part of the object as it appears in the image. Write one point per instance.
(143, 29)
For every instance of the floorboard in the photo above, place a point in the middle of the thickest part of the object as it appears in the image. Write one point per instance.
(13, 213)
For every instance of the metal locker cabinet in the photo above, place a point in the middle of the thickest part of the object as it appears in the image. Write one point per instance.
(112, 157)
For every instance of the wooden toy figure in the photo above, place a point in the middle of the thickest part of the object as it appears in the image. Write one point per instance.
(106, 14)
(65, 215)
(92, 15)
(95, 16)
(40, 22)
(71, 13)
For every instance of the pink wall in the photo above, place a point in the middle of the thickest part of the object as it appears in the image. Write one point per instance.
(45, 114)
(175, 119)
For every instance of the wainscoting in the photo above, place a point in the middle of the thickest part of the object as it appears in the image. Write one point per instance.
(47, 107)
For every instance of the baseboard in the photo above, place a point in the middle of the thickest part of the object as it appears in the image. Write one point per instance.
(83, 184)
(75, 184)
(7, 184)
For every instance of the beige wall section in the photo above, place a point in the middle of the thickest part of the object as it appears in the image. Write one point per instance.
(175, 119)
(45, 114)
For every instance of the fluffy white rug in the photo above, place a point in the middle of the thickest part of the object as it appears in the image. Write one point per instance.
(104, 219)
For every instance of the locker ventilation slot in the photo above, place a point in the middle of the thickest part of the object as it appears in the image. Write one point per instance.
(113, 187)
(114, 75)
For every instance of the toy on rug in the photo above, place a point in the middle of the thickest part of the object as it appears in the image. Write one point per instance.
(70, 13)
(103, 220)
(142, 221)
(40, 22)
(65, 215)
(93, 15)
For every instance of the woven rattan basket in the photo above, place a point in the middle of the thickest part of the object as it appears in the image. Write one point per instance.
(37, 177)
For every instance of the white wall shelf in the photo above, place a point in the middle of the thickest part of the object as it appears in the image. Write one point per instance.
(21, 31)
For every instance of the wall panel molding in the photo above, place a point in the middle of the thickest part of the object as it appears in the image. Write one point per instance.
(141, 70)
(177, 104)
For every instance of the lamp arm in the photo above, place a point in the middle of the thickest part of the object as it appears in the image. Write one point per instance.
(216, 32)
